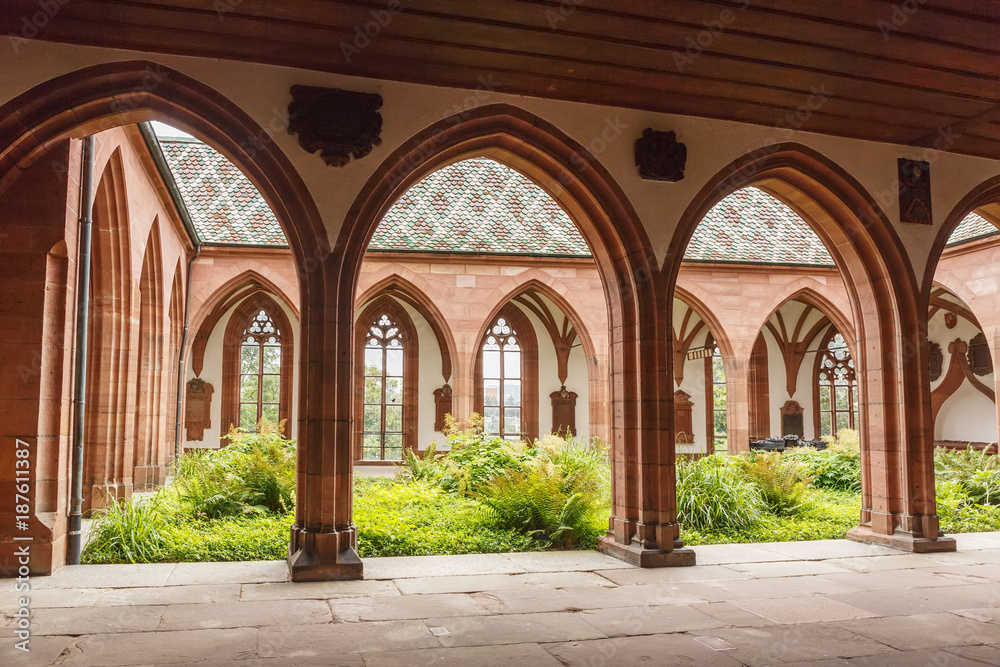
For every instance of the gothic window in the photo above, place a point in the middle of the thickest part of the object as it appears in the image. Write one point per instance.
(382, 434)
(260, 372)
(716, 371)
(385, 392)
(257, 358)
(503, 371)
(836, 386)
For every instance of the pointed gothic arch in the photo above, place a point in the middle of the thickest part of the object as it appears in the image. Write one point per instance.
(147, 469)
(898, 502)
(643, 528)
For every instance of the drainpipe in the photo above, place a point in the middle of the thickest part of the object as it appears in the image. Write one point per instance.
(181, 362)
(80, 379)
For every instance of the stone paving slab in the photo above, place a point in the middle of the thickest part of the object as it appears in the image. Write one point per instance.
(197, 594)
(107, 576)
(406, 607)
(566, 561)
(778, 644)
(630, 621)
(187, 574)
(528, 655)
(53, 597)
(244, 614)
(317, 590)
(987, 595)
(774, 588)
(144, 648)
(888, 580)
(936, 657)
(513, 629)
(93, 621)
(731, 615)
(314, 641)
(822, 549)
(810, 609)
(477, 583)
(905, 602)
(882, 563)
(725, 554)
(667, 575)
(924, 631)
(786, 569)
(650, 650)
(575, 599)
(43, 650)
(404, 567)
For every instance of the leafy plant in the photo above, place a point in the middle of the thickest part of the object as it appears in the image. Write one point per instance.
(975, 470)
(713, 493)
(783, 482)
(132, 530)
(476, 458)
(838, 467)
(560, 496)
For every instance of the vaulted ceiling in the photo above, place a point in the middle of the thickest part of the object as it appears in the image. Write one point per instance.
(912, 72)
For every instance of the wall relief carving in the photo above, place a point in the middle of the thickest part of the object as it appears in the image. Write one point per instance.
(340, 124)
(659, 156)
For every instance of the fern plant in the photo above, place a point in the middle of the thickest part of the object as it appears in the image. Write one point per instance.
(559, 496)
(783, 482)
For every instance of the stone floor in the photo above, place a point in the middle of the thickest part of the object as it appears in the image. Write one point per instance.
(806, 603)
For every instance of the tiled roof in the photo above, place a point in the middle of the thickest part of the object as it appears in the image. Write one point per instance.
(478, 206)
(974, 226)
(751, 226)
(224, 205)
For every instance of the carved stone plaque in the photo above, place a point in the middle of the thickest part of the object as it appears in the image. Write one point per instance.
(914, 191)
(659, 156)
(442, 405)
(563, 411)
(791, 419)
(340, 124)
(936, 361)
(980, 359)
(198, 415)
(683, 423)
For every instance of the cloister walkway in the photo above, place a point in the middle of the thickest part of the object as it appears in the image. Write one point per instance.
(792, 603)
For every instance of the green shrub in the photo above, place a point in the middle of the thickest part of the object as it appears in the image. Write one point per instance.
(254, 473)
(410, 518)
(977, 472)
(560, 496)
(714, 494)
(475, 458)
(249, 537)
(133, 530)
(829, 469)
(783, 481)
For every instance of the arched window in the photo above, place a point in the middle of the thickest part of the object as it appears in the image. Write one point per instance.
(715, 399)
(507, 382)
(260, 372)
(385, 397)
(836, 386)
(257, 358)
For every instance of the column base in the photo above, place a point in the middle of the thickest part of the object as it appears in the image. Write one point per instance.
(328, 556)
(640, 556)
(96, 496)
(902, 540)
(145, 478)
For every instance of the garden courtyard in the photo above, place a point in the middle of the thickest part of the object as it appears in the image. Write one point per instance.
(824, 603)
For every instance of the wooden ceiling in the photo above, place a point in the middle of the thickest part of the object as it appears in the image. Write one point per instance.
(913, 72)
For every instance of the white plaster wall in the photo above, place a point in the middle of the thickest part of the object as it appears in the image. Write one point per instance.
(694, 378)
(429, 379)
(967, 414)
(212, 373)
(776, 386)
(262, 91)
(576, 380)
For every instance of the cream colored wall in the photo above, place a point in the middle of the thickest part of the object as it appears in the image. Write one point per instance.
(967, 415)
(212, 373)
(694, 381)
(262, 91)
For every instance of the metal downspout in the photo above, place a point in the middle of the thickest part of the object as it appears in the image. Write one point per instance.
(80, 378)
